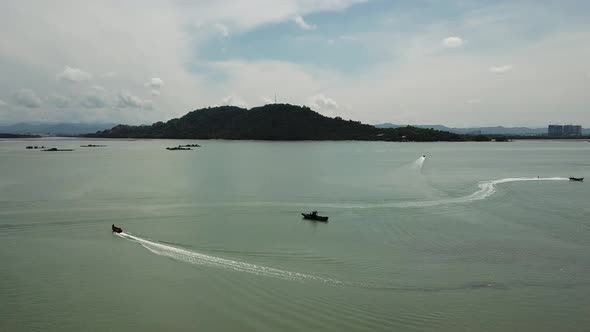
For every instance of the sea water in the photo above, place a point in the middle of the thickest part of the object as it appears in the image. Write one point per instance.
(472, 237)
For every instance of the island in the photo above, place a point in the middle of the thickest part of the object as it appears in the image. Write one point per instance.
(275, 122)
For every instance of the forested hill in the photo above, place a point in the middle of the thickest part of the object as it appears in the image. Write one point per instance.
(272, 122)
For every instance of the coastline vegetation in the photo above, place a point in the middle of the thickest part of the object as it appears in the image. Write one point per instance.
(280, 122)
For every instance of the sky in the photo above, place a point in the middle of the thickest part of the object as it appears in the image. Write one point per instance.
(453, 62)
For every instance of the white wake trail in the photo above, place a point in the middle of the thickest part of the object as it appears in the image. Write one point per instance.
(486, 189)
(419, 163)
(196, 258)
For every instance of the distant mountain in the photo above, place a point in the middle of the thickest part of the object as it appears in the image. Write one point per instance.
(5, 135)
(273, 122)
(55, 129)
(524, 131)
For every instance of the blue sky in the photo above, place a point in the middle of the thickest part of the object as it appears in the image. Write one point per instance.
(455, 62)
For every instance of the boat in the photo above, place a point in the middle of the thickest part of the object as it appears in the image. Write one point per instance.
(314, 216)
(576, 179)
(178, 148)
(116, 229)
(56, 149)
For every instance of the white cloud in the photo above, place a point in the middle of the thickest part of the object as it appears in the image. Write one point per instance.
(343, 39)
(500, 69)
(408, 72)
(2, 103)
(24, 45)
(223, 29)
(98, 88)
(453, 42)
(155, 84)
(148, 104)
(73, 75)
(323, 104)
(26, 98)
(126, 99)
(267, 100)
(302, 24)
(108, 74)
(234, 100)
(347, 38)
(473, 101)
(93, 100)
(60, 101)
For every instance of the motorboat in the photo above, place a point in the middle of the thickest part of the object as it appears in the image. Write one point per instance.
(178, 148)
(576, 179)
(314, 216)
(116, 229)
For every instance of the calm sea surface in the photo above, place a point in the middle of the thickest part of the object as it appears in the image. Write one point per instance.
(468, 239)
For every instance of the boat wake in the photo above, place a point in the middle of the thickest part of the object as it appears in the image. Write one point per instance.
(192, 257)
(486, 189)
(419, 163)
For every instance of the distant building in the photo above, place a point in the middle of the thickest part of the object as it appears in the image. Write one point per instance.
(564, 130)
(555, 130)
(571, 130)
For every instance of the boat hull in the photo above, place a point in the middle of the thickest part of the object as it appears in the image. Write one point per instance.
(314, 218)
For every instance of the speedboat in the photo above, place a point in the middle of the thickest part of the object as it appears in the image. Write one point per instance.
(314, 216)
(576, 179)
(117, 229)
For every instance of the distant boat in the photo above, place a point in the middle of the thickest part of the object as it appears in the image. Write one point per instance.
(178, 148)
(56, 149)
(314, 216)
(92, 146)
(116, 229)
(576, 179)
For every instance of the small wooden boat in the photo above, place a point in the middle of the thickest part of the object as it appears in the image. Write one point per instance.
(314, 216)
(576, 179)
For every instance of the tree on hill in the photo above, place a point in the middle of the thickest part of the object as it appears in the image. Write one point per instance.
(271, 122)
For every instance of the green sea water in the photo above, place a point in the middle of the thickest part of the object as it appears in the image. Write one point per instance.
(475, 237)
